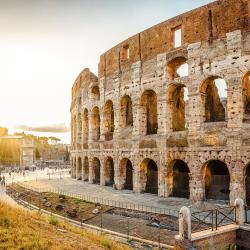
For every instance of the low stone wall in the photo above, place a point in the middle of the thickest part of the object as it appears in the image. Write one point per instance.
(243, 238)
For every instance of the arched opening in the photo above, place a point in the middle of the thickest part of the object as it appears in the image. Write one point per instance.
(177, 67)
(217, 180)
(96, 170)
(149, 111)
(247, 180)
(79, 169)
(180, 179)
(178, 99)
(126, 113)
(95, 93)
(246, 98)
(96, 124)
(85, 175)
(126, 174)
(108, 120)
(109, 172)
(85, 127)
(214, 98)
(149, 176)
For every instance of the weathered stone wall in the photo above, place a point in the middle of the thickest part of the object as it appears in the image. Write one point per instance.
(165, 127)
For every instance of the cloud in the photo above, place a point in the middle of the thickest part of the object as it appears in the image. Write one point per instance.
(53, 128)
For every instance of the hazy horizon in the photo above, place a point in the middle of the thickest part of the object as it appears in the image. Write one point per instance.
(44, 45)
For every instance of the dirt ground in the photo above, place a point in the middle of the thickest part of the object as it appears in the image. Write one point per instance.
(133, 223)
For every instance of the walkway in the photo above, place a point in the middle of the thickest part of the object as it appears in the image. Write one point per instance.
(73, 186)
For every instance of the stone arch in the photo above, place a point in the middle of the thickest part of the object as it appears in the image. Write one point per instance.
(85, 127)
(96, 169)
(79, 168)
(85, 173)
(180, 178)
(177, 67)
(96, 124)
(126, 174)
(126, 111)
(246, 97)
(149, 112)
(109, 172)
(177, 100)
(247, 183)
(214, 99)
(149, 176)
(216, 180)
(108, 120)
(95, 93)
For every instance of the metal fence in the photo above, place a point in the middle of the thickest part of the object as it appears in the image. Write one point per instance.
(159, 229)
(213, 219)
(107, 202)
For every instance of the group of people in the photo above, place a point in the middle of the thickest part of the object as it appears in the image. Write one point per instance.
(2, 181)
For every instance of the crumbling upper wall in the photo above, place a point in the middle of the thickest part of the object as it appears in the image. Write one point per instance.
(203, 24)
(83, 79)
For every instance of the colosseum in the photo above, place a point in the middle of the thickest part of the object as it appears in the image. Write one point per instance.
(169, 112)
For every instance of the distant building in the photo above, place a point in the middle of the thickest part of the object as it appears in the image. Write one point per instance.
(26, 146)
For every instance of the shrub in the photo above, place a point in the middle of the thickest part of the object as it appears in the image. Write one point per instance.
(53, 221)
(4, 222)
(107, 243)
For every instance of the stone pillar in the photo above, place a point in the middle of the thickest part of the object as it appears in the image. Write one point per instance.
(90, 121)
(116, 173)
(91, 174)
(237, 181)
(102, 172)
(136, 178)
(185, 223)
(116, 108)
(162, 115)
(196, 185)
(136, 117)
(240, 211)
(102, 124)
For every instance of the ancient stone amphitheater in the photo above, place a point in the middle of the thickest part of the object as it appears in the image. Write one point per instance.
(169, 112)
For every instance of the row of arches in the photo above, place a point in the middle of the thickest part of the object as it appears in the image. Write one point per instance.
(215, 175)
(213, 100)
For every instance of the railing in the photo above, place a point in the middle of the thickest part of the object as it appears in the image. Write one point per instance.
(213, 219)
(160, 230)
(102, 201)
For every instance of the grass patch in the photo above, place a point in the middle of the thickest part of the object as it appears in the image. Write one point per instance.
(26, 230)
(53, 221)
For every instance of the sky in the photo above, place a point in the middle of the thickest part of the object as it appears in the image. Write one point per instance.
(45, 44)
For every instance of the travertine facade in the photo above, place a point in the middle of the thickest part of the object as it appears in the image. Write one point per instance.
(144, 124)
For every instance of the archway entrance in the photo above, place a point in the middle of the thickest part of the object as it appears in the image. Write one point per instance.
(85, 175)
(79, 169)
(217, 180)
(149, 112)
(180, 179)
(96, 170)
(248, 185)
(149, 176)
(126, 172)
(109, 172)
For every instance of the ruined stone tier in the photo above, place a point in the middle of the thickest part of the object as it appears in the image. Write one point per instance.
(169, 112)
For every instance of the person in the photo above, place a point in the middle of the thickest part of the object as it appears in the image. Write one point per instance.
(3, 180)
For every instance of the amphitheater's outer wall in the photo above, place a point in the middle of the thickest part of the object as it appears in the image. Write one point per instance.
(215, 42)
